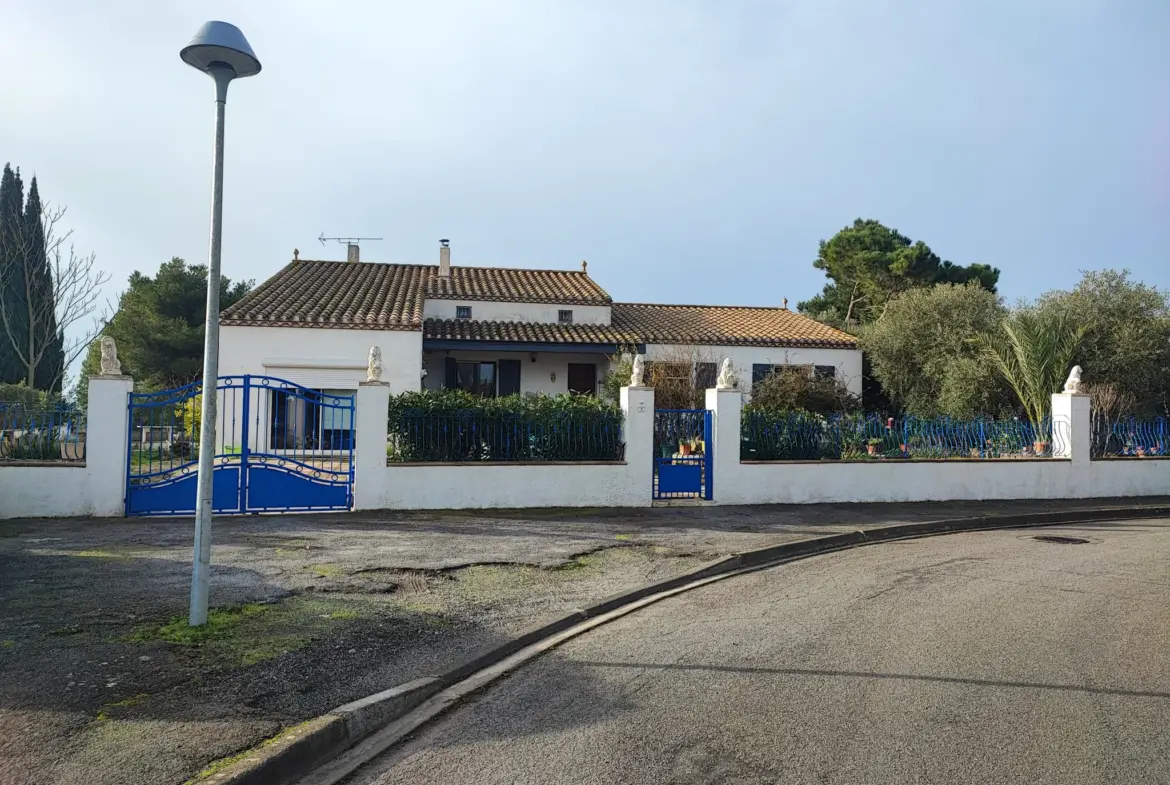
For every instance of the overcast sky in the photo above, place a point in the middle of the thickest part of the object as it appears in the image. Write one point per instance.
(692, 152)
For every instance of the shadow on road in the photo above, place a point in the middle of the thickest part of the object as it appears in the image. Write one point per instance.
(892, 676)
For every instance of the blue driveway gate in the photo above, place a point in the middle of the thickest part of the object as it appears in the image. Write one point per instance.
(682, 454)
(279, 447)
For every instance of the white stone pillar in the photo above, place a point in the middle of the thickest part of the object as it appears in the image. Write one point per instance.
(1072, 427)
(727, 408)
(638, 434)
(370, 426)
(107, 442)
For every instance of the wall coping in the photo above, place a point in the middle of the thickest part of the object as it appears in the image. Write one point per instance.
(43, 464)
(504, 463)
(1132, 458)
(905, 461)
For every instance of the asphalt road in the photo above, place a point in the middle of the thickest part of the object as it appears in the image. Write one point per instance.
(973, 658)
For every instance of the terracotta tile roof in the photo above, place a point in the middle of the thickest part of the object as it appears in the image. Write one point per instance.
(726, 325)
(375, 296)
(524, 332)
(380, 296)
(510, 285)
(335, 294)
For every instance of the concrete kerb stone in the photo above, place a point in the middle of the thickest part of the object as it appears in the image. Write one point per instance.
(295, 753)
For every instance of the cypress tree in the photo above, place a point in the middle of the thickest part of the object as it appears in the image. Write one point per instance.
(11, 220)
(42, 309)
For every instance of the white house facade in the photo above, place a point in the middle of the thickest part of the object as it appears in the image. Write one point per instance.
(497, 331)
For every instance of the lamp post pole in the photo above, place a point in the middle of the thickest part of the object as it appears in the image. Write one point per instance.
(221, 51)
(201, 576)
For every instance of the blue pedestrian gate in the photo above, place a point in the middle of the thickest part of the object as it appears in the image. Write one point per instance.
(279, 447)
(682, 454)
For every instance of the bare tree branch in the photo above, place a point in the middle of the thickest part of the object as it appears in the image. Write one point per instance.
(48, 309)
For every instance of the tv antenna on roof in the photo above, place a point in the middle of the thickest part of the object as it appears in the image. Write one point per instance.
(353, 252)
(345, 240)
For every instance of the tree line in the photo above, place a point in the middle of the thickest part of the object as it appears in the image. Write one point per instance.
(46, 289)
(938, 340)
(159, 326)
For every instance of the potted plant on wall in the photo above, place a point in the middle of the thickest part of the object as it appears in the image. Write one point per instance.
(872, 446)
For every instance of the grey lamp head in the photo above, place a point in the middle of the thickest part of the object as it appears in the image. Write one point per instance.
(220, 44)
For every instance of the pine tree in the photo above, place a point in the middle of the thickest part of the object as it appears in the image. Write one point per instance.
(11, 220)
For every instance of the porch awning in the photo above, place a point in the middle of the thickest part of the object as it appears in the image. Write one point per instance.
(526, 336)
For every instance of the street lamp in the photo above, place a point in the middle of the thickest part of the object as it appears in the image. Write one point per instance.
(220, 51)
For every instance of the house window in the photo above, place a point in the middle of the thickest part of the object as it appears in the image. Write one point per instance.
(300, 421)
(565, 317)
(761, 370)
(583, 378)
(476, 378)
(705, 375)
(462, 311)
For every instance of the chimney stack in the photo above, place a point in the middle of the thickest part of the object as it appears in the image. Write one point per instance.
(444, 258)
(353, 253)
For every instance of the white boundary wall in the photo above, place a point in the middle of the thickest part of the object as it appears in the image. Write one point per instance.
(459, 486)
(96, 488)
(1071, 475)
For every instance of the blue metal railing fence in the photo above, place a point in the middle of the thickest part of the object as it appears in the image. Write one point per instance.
(31, 432)
(476, 437)
(1130, 437)
(787, 436)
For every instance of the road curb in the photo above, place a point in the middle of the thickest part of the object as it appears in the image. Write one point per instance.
(296, 752)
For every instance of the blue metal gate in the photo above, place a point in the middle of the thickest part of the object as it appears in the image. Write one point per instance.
(279, 447)
(682, 454)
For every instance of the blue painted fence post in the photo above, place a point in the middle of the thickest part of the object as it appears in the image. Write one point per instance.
(245, 452)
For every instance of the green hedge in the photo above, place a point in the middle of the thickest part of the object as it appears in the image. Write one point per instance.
(456, 426)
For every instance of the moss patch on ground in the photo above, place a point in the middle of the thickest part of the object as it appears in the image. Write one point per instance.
(325, 570)
(125, 703)
(98, 553)
(247, 634)
(223, 764)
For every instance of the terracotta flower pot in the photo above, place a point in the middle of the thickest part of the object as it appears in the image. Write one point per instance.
(872, 449)
(1040, 447)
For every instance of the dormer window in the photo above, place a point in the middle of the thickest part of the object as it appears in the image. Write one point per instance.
(565, 317)
(462, 312)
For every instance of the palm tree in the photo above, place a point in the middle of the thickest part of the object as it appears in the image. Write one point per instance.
(1034, 353)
